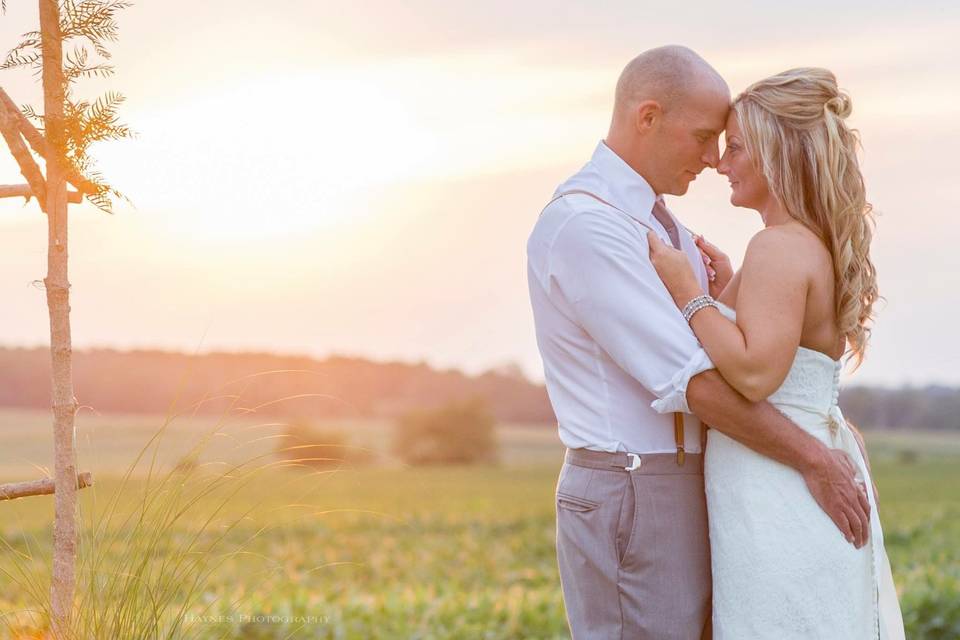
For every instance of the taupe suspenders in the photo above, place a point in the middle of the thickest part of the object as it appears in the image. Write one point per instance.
(677, 416)
(596, 197)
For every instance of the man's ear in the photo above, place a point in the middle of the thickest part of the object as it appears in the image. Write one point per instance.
(648, 114)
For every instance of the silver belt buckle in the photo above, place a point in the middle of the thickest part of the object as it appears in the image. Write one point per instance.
(634, 462)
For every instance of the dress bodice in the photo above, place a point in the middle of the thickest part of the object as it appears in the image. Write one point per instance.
(812, 383)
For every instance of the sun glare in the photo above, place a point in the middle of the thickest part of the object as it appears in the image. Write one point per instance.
(273, 156)
(283, 153)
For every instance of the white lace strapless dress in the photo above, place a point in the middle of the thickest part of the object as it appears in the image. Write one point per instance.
(781, 568)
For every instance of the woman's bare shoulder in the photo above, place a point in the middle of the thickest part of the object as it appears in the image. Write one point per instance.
(790, 248)
(784, 235)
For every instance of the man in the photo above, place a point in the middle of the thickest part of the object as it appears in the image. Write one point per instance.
(632, 543)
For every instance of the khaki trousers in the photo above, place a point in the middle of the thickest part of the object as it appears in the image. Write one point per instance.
(633, 547)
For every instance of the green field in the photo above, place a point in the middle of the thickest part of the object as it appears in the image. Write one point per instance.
(390, 551)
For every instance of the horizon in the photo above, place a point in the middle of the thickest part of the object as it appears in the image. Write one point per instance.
(507, 369)
(367, 186)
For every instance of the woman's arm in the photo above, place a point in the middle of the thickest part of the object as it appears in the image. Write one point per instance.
(755, 353)
(728, 295)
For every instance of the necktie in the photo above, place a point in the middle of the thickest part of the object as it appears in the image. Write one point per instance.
(663, 217)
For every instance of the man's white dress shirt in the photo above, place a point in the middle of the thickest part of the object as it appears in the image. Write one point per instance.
(617, 353)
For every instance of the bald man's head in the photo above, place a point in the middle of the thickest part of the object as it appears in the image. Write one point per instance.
(671, 107)
(666, 75)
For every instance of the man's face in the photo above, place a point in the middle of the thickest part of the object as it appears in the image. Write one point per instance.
(688, 139)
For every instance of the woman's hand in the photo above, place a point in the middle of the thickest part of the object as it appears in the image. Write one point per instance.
(719, 268)
(674, 269)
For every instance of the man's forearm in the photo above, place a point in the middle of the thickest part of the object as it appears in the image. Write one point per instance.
(757, 425)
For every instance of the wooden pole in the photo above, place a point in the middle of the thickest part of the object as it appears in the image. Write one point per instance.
(46, 486)
(39, 144)
(58, 303)
(25, 191)
(28, 167)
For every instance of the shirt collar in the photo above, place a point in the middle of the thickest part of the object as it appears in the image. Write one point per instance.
(626, 188)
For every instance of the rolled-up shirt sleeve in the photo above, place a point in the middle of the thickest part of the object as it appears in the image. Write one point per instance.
(599, 261)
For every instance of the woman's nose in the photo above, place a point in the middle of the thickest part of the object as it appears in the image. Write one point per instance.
(723, 167)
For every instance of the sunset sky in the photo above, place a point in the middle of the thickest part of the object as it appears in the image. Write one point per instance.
(361, 178)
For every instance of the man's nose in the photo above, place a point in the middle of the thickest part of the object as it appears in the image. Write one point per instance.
(712, 157)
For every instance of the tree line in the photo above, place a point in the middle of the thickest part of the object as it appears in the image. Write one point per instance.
(148, 381)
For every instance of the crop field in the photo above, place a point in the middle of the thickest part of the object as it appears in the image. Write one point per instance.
(235, 545)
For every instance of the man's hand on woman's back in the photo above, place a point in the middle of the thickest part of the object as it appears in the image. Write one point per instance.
(832, 482)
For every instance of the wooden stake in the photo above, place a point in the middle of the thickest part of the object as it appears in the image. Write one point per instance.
(57, 285)
(46, 486)
(28, 167)
(24, 191)
(39, 144)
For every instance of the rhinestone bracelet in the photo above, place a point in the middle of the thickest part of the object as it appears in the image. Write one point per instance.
(695, 302)
(700, 302)
(696, 305)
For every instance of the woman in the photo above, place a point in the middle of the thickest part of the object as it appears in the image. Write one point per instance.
(781, 568)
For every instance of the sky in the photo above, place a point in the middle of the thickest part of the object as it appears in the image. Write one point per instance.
(360, 178)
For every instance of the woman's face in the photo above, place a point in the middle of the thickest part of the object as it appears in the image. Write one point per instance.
(748, 186)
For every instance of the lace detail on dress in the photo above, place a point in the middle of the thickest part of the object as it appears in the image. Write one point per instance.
(750, 496)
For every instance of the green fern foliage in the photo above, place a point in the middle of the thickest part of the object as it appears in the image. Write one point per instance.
(86, 25)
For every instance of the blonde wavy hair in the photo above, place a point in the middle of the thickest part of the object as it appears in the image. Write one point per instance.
(794, 131)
